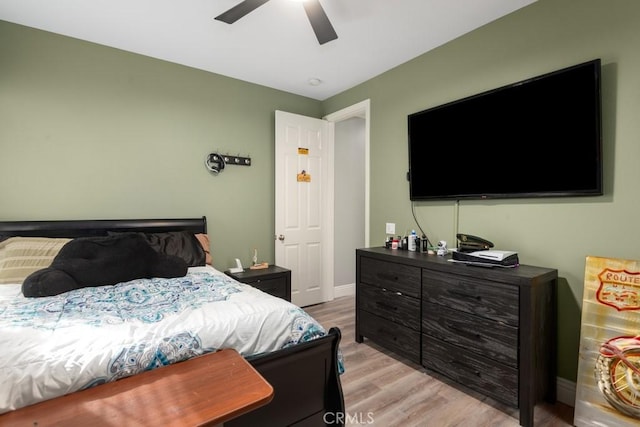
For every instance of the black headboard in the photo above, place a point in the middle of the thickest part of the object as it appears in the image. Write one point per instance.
(98, 227)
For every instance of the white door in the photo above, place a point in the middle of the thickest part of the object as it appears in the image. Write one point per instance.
(304, 205)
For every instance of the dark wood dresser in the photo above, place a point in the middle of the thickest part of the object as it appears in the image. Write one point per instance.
(491, 329)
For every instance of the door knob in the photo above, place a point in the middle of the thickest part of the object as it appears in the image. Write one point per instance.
(281, 237)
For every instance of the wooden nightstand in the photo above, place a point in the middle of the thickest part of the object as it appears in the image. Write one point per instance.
(273, 280)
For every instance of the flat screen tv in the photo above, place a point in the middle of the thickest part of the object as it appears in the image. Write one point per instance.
(540, 137)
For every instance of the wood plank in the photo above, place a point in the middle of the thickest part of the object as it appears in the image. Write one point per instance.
(206, 390)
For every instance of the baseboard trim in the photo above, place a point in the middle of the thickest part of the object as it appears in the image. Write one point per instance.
(566, 391)
(344, 290)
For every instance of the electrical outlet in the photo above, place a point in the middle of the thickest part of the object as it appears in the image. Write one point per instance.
(390, 228)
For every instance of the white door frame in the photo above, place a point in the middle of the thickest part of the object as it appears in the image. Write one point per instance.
(362, 110)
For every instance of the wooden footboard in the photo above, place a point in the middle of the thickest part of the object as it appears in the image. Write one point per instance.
(306, 383)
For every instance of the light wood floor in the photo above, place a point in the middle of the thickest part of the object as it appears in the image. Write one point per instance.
(382, 389)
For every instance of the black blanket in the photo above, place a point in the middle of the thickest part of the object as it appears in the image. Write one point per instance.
(98, 261)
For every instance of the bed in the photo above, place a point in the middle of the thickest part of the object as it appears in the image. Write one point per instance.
(103, 333)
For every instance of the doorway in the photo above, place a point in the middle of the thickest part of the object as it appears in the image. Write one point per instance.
(351, 192)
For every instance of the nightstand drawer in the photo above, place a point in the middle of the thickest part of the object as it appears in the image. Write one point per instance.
(273, 280)
(276, 287)
(390, 305)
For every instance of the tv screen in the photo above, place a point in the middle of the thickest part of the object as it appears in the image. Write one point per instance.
(540, 137)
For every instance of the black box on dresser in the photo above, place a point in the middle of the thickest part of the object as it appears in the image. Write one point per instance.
(492, 330)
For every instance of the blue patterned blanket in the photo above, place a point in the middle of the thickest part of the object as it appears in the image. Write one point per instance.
(56, 345)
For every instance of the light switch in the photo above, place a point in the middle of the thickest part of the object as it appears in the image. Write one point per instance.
(390, 228)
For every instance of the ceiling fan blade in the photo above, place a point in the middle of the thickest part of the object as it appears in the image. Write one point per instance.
(240, 10)
(319, 21)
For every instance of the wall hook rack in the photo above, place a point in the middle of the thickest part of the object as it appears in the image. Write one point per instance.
(216, 163)
(236, 160)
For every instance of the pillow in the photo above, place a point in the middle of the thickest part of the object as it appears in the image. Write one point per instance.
(183, 244)
(21, 256)
(206, 247)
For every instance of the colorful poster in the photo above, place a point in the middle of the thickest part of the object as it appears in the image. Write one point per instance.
(608, 383)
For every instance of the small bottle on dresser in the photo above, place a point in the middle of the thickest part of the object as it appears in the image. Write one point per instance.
(411, 243)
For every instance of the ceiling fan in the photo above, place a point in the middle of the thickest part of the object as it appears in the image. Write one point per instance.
(317, 17)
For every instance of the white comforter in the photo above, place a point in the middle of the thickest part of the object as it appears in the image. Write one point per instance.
(52, 346)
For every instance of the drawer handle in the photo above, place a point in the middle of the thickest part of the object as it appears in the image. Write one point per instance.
(397, 293)
(466, 295)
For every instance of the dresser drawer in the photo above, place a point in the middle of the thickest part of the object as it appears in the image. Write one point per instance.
(391, 305)
(496, 301)
(474, 371)
(399, 339)
(391, 276)
(476, 334)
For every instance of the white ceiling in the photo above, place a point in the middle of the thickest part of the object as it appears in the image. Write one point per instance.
(272, 46)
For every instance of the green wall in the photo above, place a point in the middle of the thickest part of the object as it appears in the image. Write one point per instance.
(88, 131)
(93, 132)
(557, 233)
